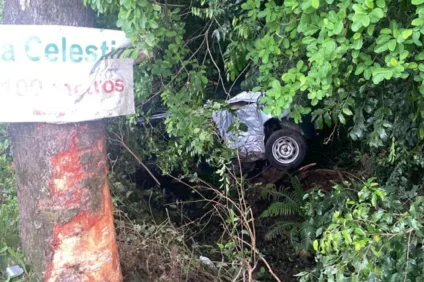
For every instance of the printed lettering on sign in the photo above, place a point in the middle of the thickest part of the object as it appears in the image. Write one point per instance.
(63, 74)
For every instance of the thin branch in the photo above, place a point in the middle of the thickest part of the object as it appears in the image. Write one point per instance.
(407, 257)
(215, 64)
(121, 141)
(240, 74)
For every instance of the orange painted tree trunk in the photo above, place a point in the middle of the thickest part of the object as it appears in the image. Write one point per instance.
(66, 219)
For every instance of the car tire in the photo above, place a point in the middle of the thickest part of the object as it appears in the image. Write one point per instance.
(285, 149)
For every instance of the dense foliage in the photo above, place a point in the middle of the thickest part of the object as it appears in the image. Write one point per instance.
(371, 235)
(355, 65)
(346, 59)
(175, 76)
(349, 63)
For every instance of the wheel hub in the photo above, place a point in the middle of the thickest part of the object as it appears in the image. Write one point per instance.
(285, 150)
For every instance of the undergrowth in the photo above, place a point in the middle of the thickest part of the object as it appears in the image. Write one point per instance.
(286, 210)
(10, 252)
(151, 248)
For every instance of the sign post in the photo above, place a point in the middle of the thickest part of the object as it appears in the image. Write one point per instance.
(51, 90)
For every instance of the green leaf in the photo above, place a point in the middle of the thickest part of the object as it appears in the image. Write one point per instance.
(420, 56)
(417, 2)
(406, 33)
(381, 3)
(299, 65)
(276, 84)
(417, 22)
(359, 10)
(127, 4)
(370, 29)
(422, 133)
(383, 38)
(359, 70)
(204, 79)
(357, 44)
(365, 20)
(347, 111)
(306, 40)
(386, 31)
(262, 14)
(376, 15)
(315, 244)
(157, 7)
(416, 38)
(153, 24)
(356, 25)
(355, 54)
(369, 4)
(149, 39)
(381, 48)
(347, 238)
(315, 4)
(330, 47)
(342, 118)
(327, 119)
(359, 232)
(412, 65)
(338, 28)
(380, 74)
(374, 200)
(393, 62)
(336, 214)
(320, 122)
(404, 55)
(392, 45)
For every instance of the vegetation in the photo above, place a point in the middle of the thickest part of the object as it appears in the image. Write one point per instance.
(284, 205)
(374, 236)
(9, 240)
(355, 66)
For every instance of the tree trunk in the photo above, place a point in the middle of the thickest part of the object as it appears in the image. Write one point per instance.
(66, 219)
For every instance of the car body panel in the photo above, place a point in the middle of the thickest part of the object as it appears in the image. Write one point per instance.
(250, 144)
(245, 107)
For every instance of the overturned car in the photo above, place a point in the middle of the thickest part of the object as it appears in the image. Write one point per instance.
(277, 139)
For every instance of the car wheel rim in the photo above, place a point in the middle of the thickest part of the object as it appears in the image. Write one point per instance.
(285, 150)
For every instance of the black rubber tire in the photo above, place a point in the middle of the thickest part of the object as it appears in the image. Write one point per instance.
(297, 137)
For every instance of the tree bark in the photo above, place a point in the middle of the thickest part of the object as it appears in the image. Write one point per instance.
(66, 218)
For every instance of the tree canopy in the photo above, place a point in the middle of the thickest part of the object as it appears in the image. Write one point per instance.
(350, 63)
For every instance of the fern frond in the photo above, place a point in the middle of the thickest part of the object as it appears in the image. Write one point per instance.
(295, 238)
(298, 189)
(281, 209)
(270, 193)
(279, 228)
(291, 197)
(296, 183)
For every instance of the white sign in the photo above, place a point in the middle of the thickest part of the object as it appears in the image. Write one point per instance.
(63, 74)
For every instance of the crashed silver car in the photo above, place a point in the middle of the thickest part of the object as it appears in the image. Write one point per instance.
(278, 139)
